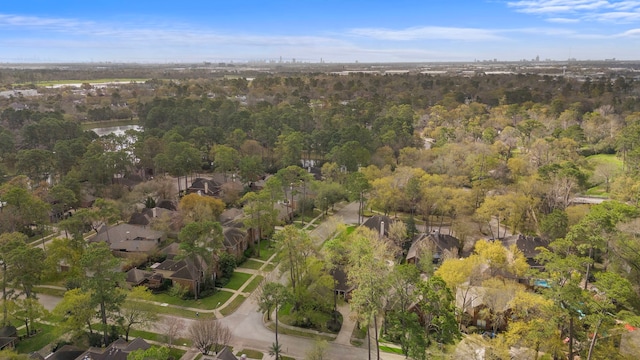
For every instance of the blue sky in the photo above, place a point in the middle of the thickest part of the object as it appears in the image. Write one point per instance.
(309, 30)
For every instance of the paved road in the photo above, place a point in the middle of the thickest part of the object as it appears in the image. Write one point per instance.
(246, 322)
(249, 330)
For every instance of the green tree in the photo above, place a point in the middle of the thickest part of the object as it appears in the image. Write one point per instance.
(367, 270)
(272, 296)
(458, 275)
(400, 323)
(250, 168)
(196, 208)
(179, 159)
(437, 305)
(555, 225)
(200, 242)
(24, 263)
(12, 355)
(62, 199)
(28, 311)
(103, 281)
(152, 353)
(289, 147)
(23, 208)
(296, 248)
(225, 159)
(357, 187)
(534, 324)
(35, 163)
(62, 251)
(261, 217)
(77, 312)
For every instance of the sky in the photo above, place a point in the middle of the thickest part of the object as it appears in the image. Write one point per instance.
(142, 31)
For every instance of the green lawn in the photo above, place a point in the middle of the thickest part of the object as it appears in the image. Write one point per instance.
(45, 336)
(229, 309)
(49, 291)
(237, 280)
(265, 251)
(147, 335)
(288, 331)
(269, 268)
(251, 354)
(176, 353)
(251, 264)
(350, 229)
(390, 349)
(209, 302)
(605, 159)
(253, 284)
(167, 310)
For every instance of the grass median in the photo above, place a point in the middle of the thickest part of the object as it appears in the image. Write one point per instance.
(229, 309)
(207, 303)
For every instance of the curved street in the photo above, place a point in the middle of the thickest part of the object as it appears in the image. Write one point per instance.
(247, 325)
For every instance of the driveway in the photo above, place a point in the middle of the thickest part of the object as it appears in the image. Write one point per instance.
(248, 328)
(246, 323)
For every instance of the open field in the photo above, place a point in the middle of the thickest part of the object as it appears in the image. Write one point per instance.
(61, 83)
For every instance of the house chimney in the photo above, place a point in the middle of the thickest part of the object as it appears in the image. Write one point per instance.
(381, 228)
(206, 188)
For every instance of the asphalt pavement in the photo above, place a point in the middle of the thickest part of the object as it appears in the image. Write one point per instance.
(247, 325)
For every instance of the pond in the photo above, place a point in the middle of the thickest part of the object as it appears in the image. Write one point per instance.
(118, 130)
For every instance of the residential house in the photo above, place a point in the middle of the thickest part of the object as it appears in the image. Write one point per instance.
(145, 216)
(117, 350)
(171, 251)
(379, 223)
(226, 354)
(527, 245)
(341, 284)
(205, 187)
(127, 239)
(8, 337)
(137, 277)
(150, 279)
(236, 238)
(183, 272)
(235, 241)
(440, 246)
(473, 299)
(66, 352)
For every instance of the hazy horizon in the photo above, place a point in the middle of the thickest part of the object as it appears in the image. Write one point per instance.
(314, 31)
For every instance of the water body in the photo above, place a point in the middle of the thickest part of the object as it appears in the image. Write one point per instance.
(118, 130)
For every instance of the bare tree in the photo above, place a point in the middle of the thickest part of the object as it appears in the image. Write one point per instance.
(209, 334)
(318, 351)
(172, 328)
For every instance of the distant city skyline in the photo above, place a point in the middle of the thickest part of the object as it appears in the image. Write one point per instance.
(145, 31)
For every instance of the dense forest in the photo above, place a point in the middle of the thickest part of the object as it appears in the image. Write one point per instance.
(479, 156)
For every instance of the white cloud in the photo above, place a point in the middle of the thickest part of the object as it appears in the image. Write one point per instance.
(33, 22)
(427, 33)
(561, 20)
(633, 33)
(587, 10)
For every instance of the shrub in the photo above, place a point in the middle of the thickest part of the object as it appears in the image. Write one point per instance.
(227, 264)
(178, 291)
(222, 281)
